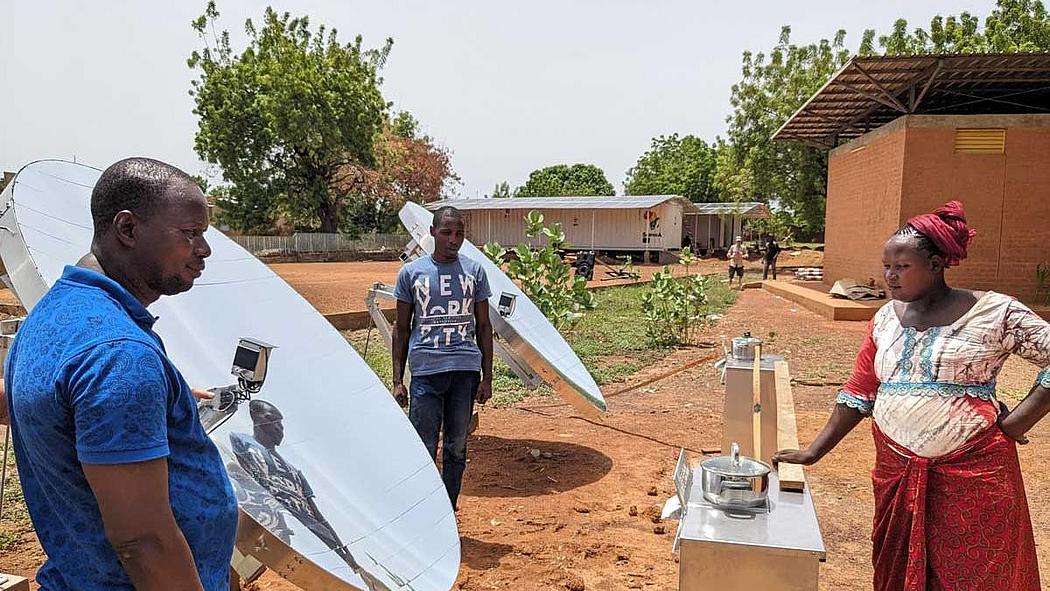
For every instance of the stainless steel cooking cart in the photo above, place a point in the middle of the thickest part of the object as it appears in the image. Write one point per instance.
(776, 547)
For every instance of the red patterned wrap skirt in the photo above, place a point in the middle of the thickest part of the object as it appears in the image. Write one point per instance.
(957, 522)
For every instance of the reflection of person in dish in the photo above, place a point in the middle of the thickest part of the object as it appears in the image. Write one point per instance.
(950, 504)
(257, 455)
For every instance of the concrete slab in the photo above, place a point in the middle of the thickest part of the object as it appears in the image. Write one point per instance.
(814, 297)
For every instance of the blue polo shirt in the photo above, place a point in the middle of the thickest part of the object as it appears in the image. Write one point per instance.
(88, 382)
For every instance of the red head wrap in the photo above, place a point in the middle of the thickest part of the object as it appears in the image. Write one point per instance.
(946, 227)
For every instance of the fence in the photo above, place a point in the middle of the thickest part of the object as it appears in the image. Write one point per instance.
(301, 243)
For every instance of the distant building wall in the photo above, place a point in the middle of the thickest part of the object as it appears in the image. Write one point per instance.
(863, 207)
(912, 166)
(658, 228)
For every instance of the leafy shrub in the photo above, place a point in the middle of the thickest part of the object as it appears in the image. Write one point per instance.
(673, 307)
(543, 275)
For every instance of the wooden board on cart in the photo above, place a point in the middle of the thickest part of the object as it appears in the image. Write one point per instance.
(791, 475)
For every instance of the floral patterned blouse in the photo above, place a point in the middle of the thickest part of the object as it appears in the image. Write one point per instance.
(932, 390)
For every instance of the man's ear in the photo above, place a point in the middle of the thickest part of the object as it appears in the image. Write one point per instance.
(124, 226)
(432, 231)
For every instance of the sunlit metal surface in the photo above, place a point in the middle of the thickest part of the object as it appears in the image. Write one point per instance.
(370, 475)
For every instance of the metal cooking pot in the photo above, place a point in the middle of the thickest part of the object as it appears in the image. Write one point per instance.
(744, 347)
(733, 481)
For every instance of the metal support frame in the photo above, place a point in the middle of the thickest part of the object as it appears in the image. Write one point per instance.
(894, 103)
(917, 100)
(999, 99)
(381, 291)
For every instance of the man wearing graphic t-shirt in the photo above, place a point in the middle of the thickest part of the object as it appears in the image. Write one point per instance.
(443, 332)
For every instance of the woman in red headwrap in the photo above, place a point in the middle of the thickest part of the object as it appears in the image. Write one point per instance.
(950, 506)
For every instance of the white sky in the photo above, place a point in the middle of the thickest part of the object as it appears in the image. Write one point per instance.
(508, 87)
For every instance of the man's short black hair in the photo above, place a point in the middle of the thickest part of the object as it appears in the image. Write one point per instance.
(134, 184)
(256, 408)
(446, 211)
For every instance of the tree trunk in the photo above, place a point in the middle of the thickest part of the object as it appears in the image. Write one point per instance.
(329, 216)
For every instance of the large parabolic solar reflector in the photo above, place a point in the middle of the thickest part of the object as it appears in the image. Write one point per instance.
(344, 437)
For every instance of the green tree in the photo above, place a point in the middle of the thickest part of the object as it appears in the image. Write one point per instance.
(773, 86)
(285, 116)
(1012, 26)
(562, 179)
(675, 166)
(501, 191)
(409, 166)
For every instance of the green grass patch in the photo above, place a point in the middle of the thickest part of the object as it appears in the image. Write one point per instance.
(610, 340)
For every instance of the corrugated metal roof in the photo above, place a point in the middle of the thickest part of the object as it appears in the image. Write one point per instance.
(869, 92)
(610, 202)
(752, 209)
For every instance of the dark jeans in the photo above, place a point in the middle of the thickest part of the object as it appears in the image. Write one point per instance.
(766, 266)
(445, 399)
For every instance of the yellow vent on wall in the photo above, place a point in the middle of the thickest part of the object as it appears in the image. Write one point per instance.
(980, 141)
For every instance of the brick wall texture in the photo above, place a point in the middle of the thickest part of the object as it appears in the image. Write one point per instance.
(910, 166)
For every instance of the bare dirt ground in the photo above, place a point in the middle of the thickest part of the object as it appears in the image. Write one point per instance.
(587, 516)
(342, 287)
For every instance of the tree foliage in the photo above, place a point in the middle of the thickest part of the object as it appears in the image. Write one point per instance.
(1012, 26)
(563, 179)
(773, 86)
(284, 117)
(675, 166)
(408, 166)
(501, 191)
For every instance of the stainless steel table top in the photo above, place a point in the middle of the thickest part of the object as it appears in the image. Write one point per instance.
(789, 524)
(768, 362)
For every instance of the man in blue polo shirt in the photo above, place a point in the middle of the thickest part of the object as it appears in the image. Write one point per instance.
(124, 487)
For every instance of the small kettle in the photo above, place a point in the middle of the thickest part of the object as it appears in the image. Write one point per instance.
(744, 347)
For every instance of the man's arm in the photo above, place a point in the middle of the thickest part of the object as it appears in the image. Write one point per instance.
(483, 335)
(399, 349)
(139, 524)
(320, 518)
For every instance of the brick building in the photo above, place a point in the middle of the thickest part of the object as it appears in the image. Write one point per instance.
(922, 131)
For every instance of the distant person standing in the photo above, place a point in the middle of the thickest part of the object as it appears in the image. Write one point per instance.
(769, 258)
(687, 241)
(443, 332)
(125, 489)
(736, 261)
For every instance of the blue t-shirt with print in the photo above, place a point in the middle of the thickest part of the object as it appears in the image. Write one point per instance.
(88, 382)
(443, 296)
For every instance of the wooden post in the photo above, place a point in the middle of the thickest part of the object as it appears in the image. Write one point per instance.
(756, 398)
(792, 476)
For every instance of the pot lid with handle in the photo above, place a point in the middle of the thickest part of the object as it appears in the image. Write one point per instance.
(747, 339)
(735, 466)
